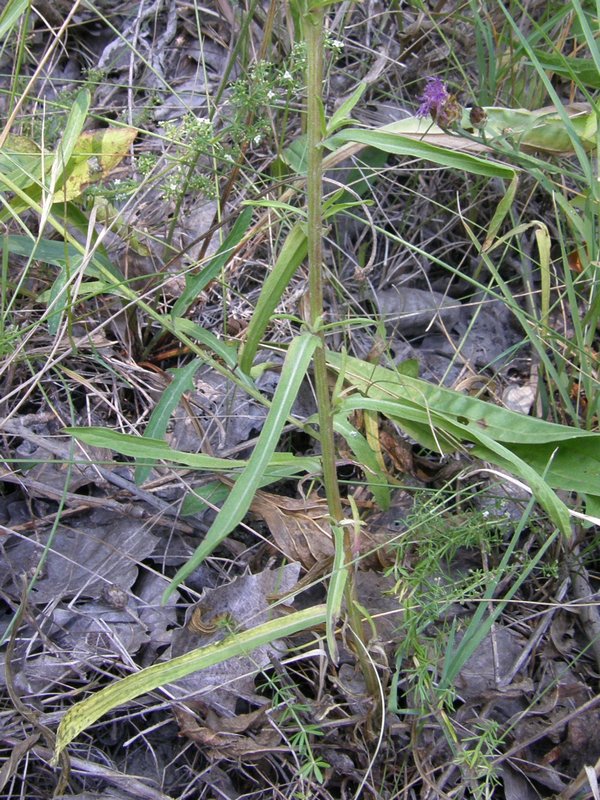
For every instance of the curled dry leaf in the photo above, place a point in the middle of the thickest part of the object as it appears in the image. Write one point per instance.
(245, 736)
(300, 528)
(301, 531)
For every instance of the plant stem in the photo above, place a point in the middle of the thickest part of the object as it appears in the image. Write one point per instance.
(314, 198)
(313, 34)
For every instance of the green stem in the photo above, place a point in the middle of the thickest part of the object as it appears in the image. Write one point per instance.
(314, 199)
(314, 26)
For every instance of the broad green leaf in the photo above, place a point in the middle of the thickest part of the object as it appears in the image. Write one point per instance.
(294, 369)
(441, 419)
(292, 254)
(182, 381)
(85, 713)
(80, 160)
(194, 284)
(295, 155)
(574, 464)
(398, 144)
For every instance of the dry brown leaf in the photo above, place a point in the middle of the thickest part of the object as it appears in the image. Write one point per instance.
(398, 450)
(301, 531)
(245, 736)
(300, 528)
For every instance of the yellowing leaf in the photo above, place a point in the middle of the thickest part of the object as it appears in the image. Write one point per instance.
(95, 156)
(20, 144)
(543, 130)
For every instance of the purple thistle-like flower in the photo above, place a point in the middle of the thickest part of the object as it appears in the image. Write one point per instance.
(433, 98)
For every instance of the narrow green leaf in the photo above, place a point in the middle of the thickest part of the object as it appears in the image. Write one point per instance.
(196, 283)
(441, 419)
(561, 135)
(85, 713)
(198, 500)
(335, 590)
(182, 381)
(376, 479)
(59, 254)
(281, 464)
(482, 446)
(569, 465)
(591, 35)
(68, 142)
(498, 423)
(225, 351)
(60, 296)
(582, 70)
(341, 117)
(10, 15)
(58, 301)
(490, 609)
(276, 205)
(292, 254)
(397, 144)
(500, 213)
(237, 504)
(542, 238)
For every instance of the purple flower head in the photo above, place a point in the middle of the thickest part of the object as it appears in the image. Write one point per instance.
(434, 98)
